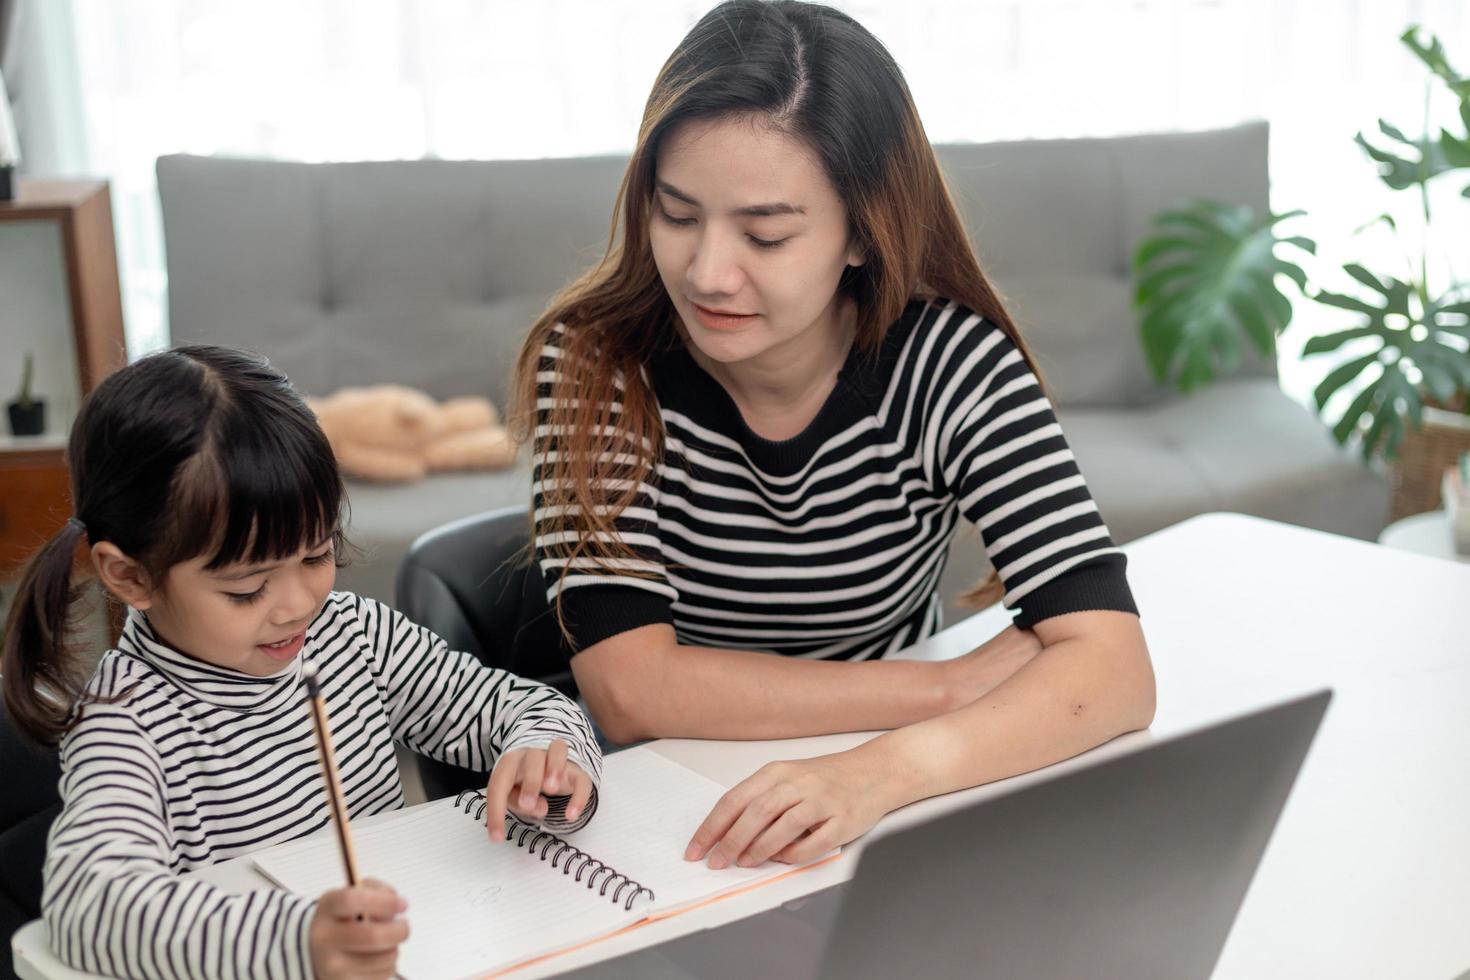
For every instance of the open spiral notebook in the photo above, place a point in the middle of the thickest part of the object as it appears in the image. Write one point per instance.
(476, 907)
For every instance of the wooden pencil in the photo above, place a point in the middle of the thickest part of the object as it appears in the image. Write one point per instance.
(330, 776)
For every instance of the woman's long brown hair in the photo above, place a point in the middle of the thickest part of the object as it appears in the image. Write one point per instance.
(820, 77)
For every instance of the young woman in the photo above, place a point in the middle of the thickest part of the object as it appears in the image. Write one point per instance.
(757, 422)
(211, 505)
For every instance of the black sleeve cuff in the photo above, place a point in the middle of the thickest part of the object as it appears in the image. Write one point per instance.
(1101, 583)
(595, 612)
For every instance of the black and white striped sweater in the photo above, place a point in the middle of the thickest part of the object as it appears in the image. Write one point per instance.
(830, 544)
(193, 764)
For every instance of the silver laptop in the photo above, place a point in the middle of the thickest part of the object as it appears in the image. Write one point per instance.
(1134, 867)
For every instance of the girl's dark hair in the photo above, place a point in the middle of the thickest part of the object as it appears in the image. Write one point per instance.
(192, 451)
(818, 76)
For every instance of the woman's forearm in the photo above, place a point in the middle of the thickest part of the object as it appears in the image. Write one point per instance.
(1083, 689)
(643, 684)
(701, 692)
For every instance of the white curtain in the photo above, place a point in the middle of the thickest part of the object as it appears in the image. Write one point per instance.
(381, 79)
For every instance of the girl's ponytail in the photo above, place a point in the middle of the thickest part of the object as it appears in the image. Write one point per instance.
(42, 676)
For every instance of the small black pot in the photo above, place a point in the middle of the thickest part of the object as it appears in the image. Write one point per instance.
(27, 421)
(7, 183)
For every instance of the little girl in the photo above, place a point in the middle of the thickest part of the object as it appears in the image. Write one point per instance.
(213, 508)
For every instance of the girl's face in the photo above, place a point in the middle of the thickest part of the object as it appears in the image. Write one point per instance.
(250, 618)
(750, 238)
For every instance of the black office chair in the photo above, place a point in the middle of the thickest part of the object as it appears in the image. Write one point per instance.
(28, 806)
(473, 583)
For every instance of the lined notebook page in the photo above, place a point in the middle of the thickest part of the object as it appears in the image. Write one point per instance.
(475, 906)
(472, 905)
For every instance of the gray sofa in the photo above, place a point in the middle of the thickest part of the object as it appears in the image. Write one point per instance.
(429, 272)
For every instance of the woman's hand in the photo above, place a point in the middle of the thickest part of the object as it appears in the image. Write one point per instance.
(524, 778)
(355, 932)
(794, 811)
(977, 673)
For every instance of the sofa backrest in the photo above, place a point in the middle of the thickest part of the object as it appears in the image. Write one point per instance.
(429, 272)
(1056, 223)
(422, 272)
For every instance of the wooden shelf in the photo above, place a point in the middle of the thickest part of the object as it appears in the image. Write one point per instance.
(34, 487)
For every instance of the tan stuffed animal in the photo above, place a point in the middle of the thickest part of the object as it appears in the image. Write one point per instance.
(390, 433)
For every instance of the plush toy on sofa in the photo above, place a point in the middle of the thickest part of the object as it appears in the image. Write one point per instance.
(391, 433)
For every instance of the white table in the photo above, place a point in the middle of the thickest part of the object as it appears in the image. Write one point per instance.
(1368, 874)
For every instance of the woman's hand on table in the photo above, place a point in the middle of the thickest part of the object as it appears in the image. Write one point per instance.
(523, 779)
(794, 812)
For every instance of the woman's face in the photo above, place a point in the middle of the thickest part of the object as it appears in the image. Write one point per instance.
(749, 236)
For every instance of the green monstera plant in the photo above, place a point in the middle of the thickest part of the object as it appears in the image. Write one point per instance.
(1417, 346)
(1210, 276)
(1206, 282)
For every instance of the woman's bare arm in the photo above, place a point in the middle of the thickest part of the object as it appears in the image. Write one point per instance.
(1092, 681)
(643, 684)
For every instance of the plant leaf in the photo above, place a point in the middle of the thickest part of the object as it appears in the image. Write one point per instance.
(1344, 302)
(1305, 244)
(1421, 343)
(1434, 58)
(1154, 247)
(1340, 376)
(1348, 422)
(1384, 218)
(1401, 172)
(1323, 343)
(1292, 272)
(1204, 276)
(1366, 278)
(1456, 151)
(1254, 318)
(1393, 132)
(1157, 276)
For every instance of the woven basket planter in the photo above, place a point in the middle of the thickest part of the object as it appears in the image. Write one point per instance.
(1424, 456)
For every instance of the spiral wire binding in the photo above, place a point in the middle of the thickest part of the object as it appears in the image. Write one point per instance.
(525, 836)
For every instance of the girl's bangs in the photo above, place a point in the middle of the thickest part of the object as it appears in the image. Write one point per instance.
(260, 495)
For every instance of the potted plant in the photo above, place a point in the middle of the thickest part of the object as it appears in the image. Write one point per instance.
(1209, 277)
(27, 413)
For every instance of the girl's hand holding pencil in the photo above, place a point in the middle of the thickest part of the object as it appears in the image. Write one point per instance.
(356, 931)
(524, 779)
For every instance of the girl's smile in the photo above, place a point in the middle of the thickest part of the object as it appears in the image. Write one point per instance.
(287, 649)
